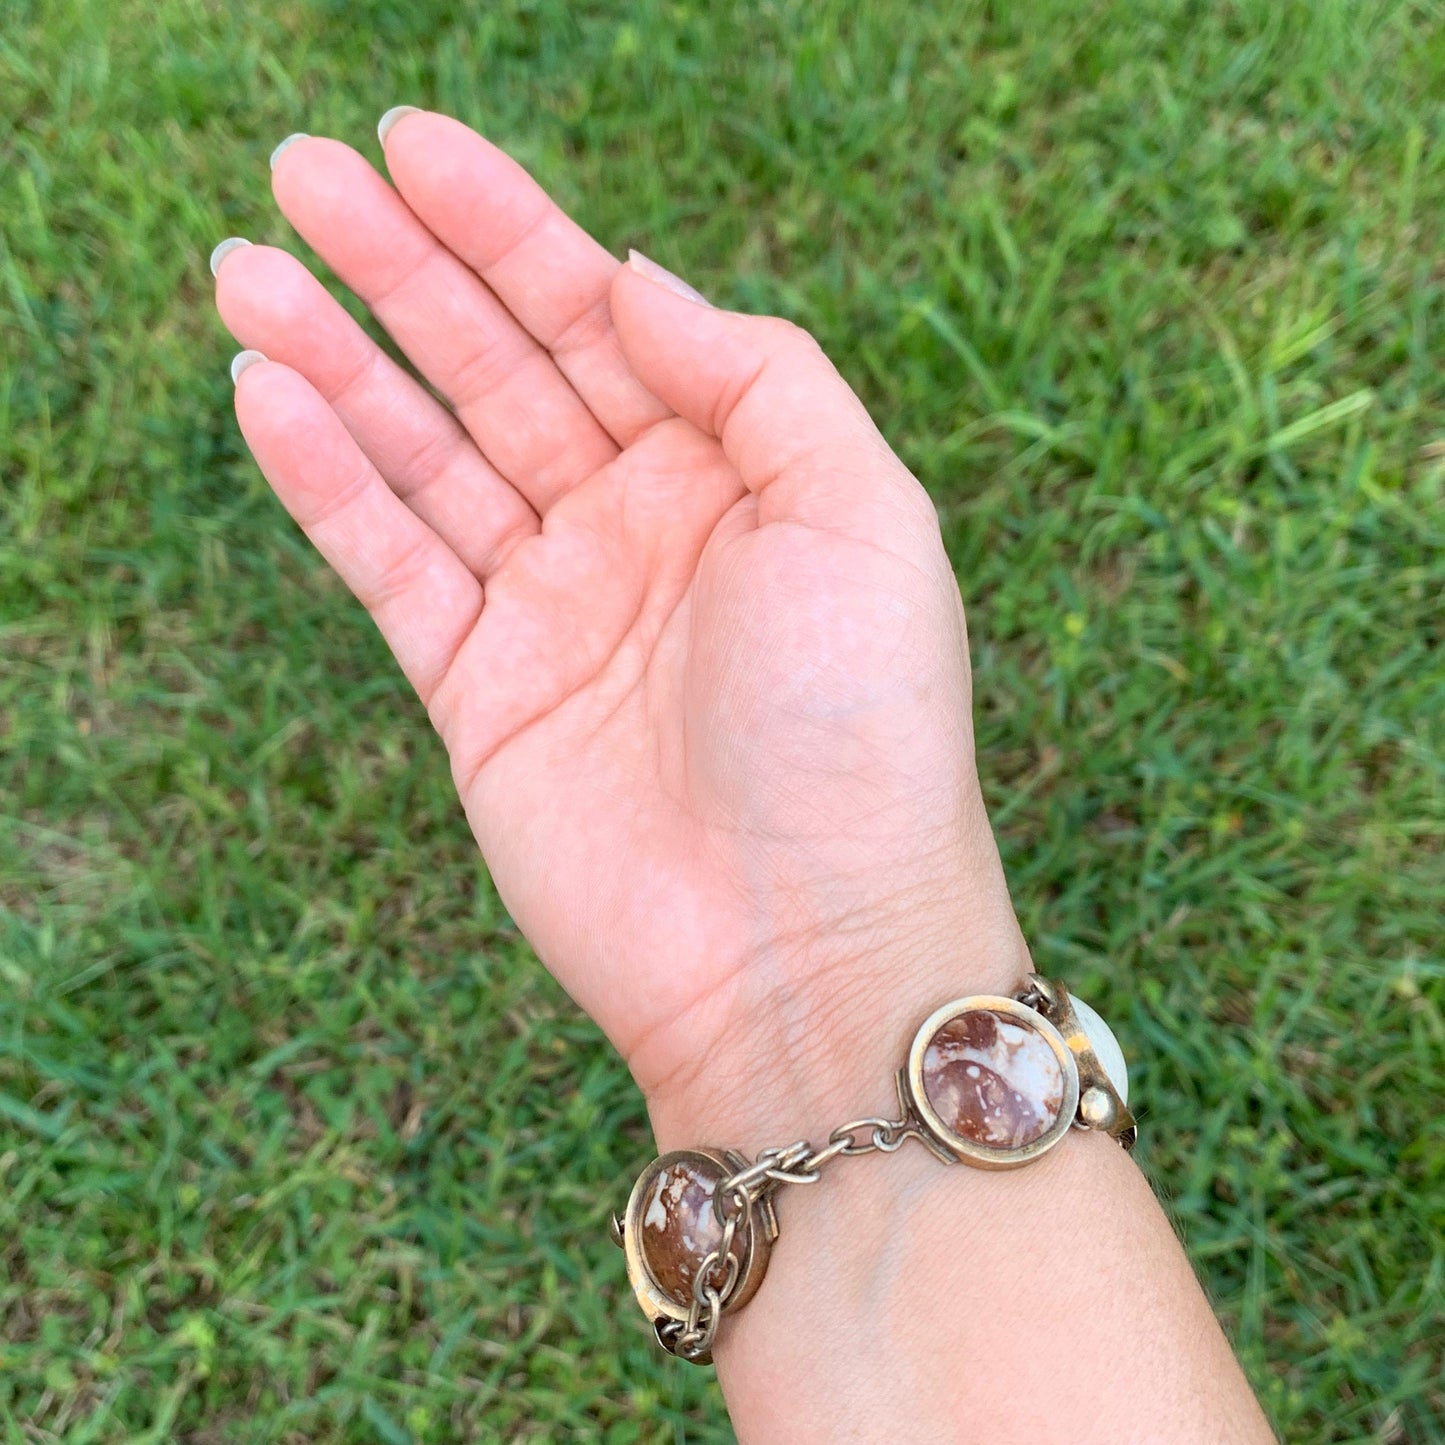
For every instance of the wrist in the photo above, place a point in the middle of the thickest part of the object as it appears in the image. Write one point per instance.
(1030, 1302)
(811, 1031)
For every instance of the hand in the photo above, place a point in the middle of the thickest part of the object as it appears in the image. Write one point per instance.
(683, 620)
(687, 629)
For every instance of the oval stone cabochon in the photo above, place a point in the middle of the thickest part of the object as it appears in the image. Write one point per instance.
(679, 1226)
(993, 1081)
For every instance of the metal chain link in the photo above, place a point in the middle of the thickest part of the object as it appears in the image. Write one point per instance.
(735, 1202)
(737, 1197)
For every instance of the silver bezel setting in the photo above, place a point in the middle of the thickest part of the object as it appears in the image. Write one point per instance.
(756, 1243)
(969, 1151)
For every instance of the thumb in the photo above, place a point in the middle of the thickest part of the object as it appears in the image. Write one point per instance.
(800, 439)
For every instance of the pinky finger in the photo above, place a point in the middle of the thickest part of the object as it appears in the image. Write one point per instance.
(417, 590)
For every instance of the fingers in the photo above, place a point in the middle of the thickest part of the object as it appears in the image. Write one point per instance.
(272, 303)
(510, 396)
(417, 590)
(798, 436)
(551, 275)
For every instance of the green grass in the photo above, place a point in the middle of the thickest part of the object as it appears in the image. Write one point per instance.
(297, 1142)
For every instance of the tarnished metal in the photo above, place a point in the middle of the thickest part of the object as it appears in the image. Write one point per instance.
(966, 1150)
(744, 1196)
(1106, 1109)
(686, 1326)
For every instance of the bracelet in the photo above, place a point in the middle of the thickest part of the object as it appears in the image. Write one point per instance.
(991, 1081)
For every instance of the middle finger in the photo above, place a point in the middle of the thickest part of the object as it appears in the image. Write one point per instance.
(507, 391)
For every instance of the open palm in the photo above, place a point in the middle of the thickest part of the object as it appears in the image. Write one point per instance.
(683, 620)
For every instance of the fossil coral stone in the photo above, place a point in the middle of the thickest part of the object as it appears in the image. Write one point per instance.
(679, 1226)
(993, 1081)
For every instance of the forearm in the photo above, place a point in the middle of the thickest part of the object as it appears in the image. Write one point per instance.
(913, 1301)
(909, 1299)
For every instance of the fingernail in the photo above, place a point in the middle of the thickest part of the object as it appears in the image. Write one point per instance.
(286, 145)
(663, 277)
(231, 243)
(384, 125)
(242, 360)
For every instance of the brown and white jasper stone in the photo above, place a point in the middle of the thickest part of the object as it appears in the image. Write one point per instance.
(993, 1081)
(678, 1226)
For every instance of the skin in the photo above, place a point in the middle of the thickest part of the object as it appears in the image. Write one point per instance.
(688, 631)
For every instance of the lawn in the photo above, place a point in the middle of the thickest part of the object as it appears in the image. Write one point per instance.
(297, 1141)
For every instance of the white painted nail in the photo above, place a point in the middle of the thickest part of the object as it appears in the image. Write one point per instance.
(242, 360)
(385, 124)
(231, 243)
(286, 145)
(663, 277)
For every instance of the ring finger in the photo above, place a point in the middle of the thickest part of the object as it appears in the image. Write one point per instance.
(507, 391)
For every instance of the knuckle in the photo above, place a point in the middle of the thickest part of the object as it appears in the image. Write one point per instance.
(785, 335)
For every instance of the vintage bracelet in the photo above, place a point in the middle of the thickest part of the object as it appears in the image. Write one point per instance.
(990, 1081)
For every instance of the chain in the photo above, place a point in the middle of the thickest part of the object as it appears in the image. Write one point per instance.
(735, 1201)
(742, 1200)
(1036, 993)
